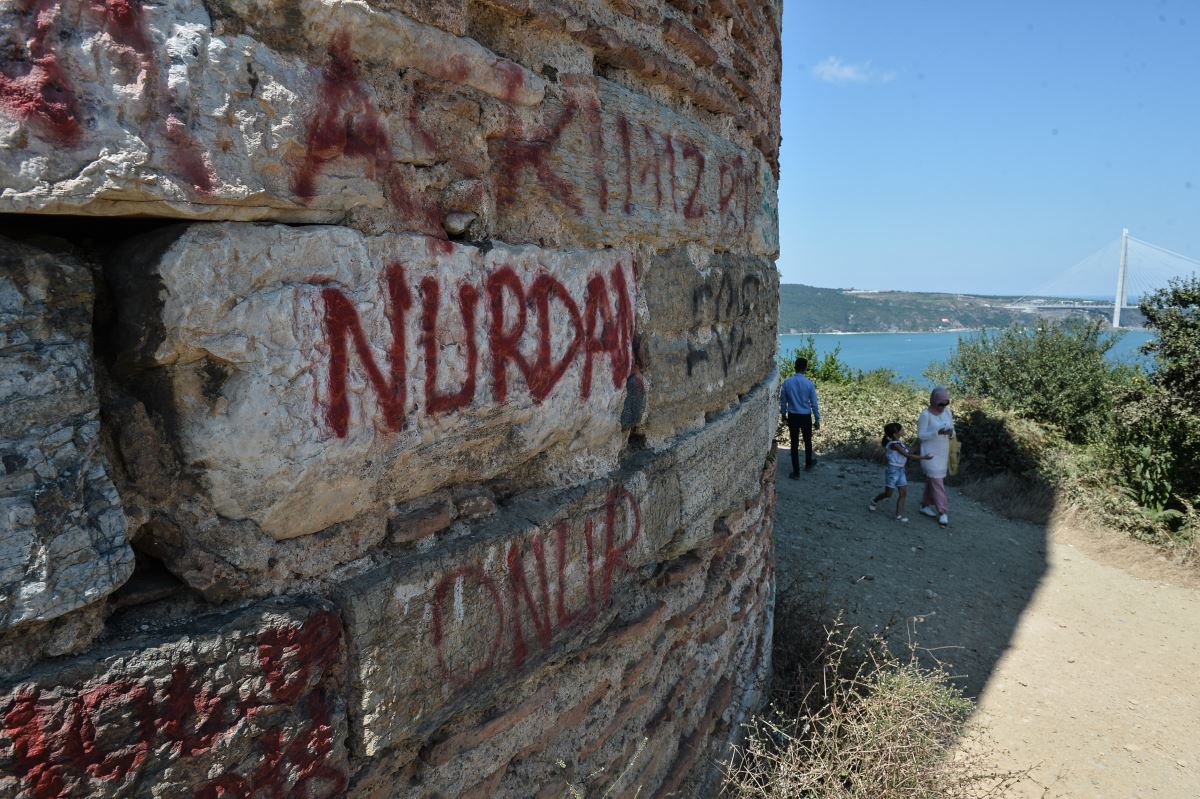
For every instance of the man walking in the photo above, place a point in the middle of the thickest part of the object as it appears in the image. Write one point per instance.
(798, 406)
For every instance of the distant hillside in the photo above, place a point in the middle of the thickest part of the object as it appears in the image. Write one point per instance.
(808, 309)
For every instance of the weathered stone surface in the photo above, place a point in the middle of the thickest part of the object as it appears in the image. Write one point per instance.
(670, 669)
(148, 110)
(62, 532)
(528, 479)
(340, 370)
(156, 112)
(537, 580)
(713, 335)
(68, 634)
(605, 164)
(240, 705)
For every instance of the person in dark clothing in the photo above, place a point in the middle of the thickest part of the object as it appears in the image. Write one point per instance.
(798, 407)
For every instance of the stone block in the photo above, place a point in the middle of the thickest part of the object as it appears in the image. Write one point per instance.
(713, 335)
(536, 580)
(310, 374)
(153, 110)
(62, 530)
(605, 164)
(245, 704)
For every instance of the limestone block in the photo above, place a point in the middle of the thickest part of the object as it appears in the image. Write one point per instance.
(62, 530)
(713, 337)
(311, 374)
(146, 109)
(607, 164)
(238, 705)
(537, 580)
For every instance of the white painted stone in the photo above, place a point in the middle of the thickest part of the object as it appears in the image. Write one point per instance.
(246, 349)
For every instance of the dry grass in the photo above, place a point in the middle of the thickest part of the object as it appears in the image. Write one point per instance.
(1014, 496)
(850, 721)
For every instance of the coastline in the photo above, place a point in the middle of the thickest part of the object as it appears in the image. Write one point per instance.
(878, 332)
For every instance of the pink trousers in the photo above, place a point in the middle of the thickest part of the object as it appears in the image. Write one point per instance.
(935, 493)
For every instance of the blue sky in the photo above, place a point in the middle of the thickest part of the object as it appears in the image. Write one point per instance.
(985, 146)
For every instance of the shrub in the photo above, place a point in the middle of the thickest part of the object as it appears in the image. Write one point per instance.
(853, 403)
(850, 721)
(996, 441)
(1165, 416)
(827, 369)
(853, 415)
(1174, 314)
(1055, 373)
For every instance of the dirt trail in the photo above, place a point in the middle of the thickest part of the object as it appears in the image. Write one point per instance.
(1084, 652)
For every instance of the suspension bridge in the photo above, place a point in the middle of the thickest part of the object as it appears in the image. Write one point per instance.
(1139, 268)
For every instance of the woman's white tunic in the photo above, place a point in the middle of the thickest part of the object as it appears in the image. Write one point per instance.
(938, 446)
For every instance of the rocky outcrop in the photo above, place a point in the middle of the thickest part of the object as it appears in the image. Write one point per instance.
(420, 356)
(64, 531)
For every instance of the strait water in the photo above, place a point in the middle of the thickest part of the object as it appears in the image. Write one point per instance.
(909, 354)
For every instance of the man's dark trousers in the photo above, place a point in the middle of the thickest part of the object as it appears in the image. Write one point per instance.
(800, 423)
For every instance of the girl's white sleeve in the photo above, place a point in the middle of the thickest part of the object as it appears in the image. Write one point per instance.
(926, 428)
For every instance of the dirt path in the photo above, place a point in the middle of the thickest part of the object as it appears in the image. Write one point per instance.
(1084, 654)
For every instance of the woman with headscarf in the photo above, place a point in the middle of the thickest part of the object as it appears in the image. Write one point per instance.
(935, 428)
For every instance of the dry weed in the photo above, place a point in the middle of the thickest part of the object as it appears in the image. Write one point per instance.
(851, 721)
(1014, 496)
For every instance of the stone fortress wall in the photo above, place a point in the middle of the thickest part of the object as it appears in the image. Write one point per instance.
(386, 394)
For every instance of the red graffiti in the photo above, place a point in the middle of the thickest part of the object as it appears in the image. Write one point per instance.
(690, 209)
(302, 761)
(445, 585)
(63, 741)
(513, 78)
(733, 179)
(606, 331)
(347, 124)
(513, 156)
(468, 298)
(341, 323)
(605, 328)
(627, 159)
(504, 342)
(35, 88)
(637, 157)
(526, 614)
(547, 372)
(595, 135)
(344, 123)
(193, 716)
(654, 164)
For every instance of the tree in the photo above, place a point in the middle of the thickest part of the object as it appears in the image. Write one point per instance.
(1174, 314)
(1174, 437)
(1054, 373)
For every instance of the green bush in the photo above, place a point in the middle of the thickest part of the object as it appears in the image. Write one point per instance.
(996, 441)
(855, 405)
(1174, 314)
(1055, 373)
(853, 415)
(1164, 416)
(827, 369)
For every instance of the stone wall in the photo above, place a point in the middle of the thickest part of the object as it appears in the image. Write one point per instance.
(386, 395)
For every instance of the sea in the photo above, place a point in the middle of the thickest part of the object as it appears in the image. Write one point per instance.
(910, 354)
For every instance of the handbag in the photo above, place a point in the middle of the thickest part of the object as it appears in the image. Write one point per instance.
(952, 461)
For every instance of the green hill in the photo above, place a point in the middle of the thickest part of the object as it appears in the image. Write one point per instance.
(808, 309)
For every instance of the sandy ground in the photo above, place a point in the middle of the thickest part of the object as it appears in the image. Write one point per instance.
(1083, 650)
